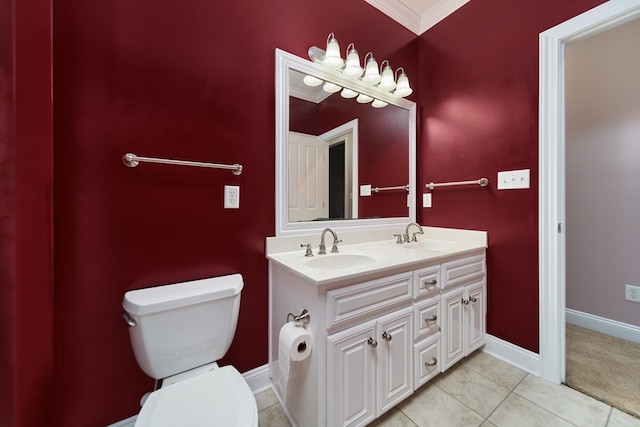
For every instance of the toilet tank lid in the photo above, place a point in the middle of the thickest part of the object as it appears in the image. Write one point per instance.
(166, 297)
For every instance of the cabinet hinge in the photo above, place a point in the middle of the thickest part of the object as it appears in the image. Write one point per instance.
(559, 227)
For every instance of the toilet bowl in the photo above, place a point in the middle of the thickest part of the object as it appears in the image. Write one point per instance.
(178, 332)
(220, 397)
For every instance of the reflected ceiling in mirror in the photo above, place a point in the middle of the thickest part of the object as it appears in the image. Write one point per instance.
(333, 153)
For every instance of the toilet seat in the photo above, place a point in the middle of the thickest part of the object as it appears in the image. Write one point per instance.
(220, 397)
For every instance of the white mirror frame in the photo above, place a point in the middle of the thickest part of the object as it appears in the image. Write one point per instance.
(286, 61)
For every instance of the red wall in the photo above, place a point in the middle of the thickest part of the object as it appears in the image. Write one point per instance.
(186, 80)
(479, 115)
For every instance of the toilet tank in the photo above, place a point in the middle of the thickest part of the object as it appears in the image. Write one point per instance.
(183, 325)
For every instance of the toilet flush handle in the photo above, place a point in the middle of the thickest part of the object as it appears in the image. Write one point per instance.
(130, 320)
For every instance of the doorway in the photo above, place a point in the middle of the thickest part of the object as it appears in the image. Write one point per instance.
(552, 187)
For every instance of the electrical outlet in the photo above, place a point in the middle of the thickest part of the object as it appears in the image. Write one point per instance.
(632, 293)
(509, 180)
(426, 200)
(231, 197)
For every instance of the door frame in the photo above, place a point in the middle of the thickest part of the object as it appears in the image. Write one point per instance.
(551, 180)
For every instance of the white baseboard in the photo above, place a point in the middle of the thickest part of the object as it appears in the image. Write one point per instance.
(519, 357)
(603, 325)
(258, 380)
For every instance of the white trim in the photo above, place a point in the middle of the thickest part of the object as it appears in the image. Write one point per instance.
(519, 357)
(603, 325)
(129, 422)
(412, 19)
(551, 192)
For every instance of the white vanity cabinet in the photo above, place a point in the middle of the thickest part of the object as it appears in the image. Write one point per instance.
(464, 308)
(372, 369)
(377, 336)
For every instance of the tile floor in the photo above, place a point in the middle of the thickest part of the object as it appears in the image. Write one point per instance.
(483, 391)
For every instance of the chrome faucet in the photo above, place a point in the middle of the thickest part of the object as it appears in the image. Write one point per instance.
(322, 248)
(413, 237)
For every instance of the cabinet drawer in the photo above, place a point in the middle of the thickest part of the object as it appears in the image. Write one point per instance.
(427, 317)
(426, 281)
(427, 360)
(365, 299)
(463, 271)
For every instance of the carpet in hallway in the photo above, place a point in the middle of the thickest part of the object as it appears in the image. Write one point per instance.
(604, 367)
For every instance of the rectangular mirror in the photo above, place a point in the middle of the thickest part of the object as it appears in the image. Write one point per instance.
(331, 150)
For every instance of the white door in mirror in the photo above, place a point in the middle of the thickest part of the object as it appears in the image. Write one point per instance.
(231, 196)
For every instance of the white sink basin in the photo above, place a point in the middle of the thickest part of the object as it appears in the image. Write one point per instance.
(431, 245)
(339, 261)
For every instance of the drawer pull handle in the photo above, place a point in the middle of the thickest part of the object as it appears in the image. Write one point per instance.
(433, 362)
(472, 299)
(386, 336)
(430, 283)
(431, 319)
(373, 343)
(464, 301)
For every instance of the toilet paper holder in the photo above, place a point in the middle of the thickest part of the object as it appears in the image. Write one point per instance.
(303, 318)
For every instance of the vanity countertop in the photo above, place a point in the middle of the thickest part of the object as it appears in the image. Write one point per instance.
(359, 259)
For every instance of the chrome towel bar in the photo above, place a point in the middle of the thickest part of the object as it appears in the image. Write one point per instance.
(399, 187)
(483, 182)
(131, 160)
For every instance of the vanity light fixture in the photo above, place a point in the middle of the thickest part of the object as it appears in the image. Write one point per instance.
(383, 78)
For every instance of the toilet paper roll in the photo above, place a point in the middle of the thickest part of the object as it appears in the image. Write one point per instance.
(294, 344)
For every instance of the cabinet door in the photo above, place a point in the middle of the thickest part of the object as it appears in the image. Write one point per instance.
(453, 327)
(476, 314)
(426, 360)
(395, 356)
(351, 375)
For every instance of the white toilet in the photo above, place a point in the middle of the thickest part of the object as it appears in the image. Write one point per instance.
(178, 332)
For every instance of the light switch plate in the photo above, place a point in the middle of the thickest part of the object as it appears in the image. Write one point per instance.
(510, 180)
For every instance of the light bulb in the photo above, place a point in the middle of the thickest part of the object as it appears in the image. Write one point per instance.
(312, 81)
(378, 104)
(352, 67)
(371, 73)
(348, 93)
(403, 88)
(331, 87)
(363, 99)
(332, 57)
(387, 81)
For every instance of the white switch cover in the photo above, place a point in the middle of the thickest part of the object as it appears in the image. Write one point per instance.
(231, 197)
(426, 200)
(509, 180)
(365, 190)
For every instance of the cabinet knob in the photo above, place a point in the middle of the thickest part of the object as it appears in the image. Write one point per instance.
(472, 299)
(433, 362)
(386, 336)
(431, 319)
(373, 343)
(464, 301)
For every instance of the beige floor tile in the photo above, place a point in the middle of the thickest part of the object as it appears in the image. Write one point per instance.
(518, 411)
(273, 416)
(430, 406)
(502, 373)
(393, 418)
(565, 402)
(265, 399)
(487, 424)
(472, 389)
(622, 419)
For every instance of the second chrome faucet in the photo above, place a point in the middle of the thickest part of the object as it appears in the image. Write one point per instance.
(323, 248)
